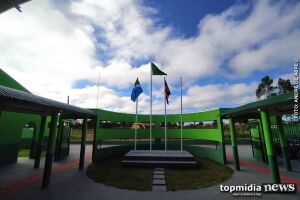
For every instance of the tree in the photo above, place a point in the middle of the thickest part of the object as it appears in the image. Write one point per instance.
(284, 86)
(265, 88)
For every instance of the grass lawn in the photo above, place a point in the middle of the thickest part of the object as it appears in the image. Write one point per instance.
(26, 152)
(206, 174)
(110, 172)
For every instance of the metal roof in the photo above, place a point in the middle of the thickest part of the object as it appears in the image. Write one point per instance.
(279, 104)
(19, 101)
(8, 4)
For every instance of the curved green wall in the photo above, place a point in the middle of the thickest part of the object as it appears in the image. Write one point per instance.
(208, 134)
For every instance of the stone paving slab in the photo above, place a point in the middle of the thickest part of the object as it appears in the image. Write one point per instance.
(159, 173)
(157, 176)
(159, 182)
(159, 169)
(159, 188)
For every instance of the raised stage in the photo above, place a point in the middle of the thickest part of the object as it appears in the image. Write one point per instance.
(159, 158)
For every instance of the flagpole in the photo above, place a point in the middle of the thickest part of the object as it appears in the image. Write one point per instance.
(98, 90)
(165, 115)
(181, 114)
(135, 131)
(150, 108)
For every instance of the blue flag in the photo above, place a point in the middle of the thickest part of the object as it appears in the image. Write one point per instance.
(136, 91)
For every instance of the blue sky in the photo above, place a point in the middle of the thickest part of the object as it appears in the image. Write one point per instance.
(221, 49)
(184, 16)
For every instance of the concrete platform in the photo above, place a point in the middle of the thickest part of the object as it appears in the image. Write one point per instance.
(159, 158)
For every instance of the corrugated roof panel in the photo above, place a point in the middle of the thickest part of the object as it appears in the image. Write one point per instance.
(8, 94)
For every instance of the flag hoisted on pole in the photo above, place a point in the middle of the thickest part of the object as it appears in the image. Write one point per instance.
(167, 94)
(154, 71)
(136, 91)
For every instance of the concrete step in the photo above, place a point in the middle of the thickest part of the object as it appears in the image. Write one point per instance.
(159, 173)
(158, 176)
(159, 163)
(159, 182)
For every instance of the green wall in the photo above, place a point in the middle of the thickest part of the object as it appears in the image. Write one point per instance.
(208, 134)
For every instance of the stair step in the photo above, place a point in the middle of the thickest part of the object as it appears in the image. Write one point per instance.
(159, 161)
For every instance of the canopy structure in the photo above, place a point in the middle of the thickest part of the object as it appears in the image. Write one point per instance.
(18, 101)
(262, 110)
(13, 100)
(276, 105)
(8, 4)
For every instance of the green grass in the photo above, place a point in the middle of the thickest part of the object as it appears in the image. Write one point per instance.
(26, 153)
(207, 173)
(110, 172)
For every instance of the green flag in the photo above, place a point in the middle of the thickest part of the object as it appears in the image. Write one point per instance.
(156, 71)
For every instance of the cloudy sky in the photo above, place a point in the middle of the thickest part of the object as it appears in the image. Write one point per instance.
(220, 48)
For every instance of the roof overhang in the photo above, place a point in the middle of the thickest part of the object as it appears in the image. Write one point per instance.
(275, 105)
(8, 4)
(13, 100)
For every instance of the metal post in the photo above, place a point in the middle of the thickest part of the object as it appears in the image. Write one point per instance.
(165, 114)
(40, 142)
(135, 129)
(98, 91)
(150, 108)
(234, 145)
(50, 150)
(83, 141)
(283, 144)
(273, 166)
(181, 123)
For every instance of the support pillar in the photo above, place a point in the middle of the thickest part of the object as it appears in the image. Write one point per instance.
(69, 138)
(234, 145)
(222, 144)
(33, 143)
(96, 129)
(40, 142)
(283, 144)
(58, 139)
(50, 151)
(273, 166)
(82, 148)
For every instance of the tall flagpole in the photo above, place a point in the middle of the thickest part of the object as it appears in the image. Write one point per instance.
(181, 114)
(165, 115)
(150, 108)
(98, 90)
(135, 131)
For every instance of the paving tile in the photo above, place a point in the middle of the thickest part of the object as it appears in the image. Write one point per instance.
(159, 173)
(158, 176)
(159, 188)
(159, 169)
(159, 182)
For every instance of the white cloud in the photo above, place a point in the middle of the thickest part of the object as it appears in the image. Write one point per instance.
(278, 51)
(44, 50)
(48, 49)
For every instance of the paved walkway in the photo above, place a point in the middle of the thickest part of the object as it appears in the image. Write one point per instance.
(159, 182)
(21, 181)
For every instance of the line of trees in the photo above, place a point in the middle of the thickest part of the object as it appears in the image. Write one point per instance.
(266, 88)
